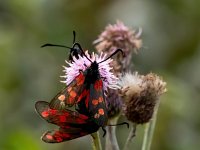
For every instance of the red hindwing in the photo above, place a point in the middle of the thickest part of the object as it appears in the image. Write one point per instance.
(72, 124)
(59, 117)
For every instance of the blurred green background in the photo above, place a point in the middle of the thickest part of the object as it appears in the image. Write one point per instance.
(171, 35)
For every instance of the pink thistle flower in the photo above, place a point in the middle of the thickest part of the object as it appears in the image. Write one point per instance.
(73, 69)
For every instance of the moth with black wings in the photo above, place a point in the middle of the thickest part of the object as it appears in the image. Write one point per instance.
(87, 78)
(90, 76)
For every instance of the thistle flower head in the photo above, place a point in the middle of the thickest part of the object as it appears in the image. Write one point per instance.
(118, 36)
(140, 95)
(82, 63)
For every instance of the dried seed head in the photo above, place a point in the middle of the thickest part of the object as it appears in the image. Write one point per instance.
(141, 95)
(119, 36)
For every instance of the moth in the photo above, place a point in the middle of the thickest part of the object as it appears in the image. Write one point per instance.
(86, 93)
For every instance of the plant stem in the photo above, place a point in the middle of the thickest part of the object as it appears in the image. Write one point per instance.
(111, 140)
(96, 143)
(149, 129)
(130, 136)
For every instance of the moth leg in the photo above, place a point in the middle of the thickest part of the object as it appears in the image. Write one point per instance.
(104, 131)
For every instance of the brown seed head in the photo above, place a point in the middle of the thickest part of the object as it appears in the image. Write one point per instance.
(140, 94)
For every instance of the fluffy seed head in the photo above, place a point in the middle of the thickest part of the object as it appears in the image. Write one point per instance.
(140, 94)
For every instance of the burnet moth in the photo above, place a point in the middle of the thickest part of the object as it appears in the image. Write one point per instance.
(86, 93)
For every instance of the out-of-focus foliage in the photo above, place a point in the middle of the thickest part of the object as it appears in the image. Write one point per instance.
(171, 36)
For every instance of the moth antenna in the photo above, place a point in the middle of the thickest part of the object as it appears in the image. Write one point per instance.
(79, 46)
(123, 123)
(74, 35)
(45, 45)
(114, 53)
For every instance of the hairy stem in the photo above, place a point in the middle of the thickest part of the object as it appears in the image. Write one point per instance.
(96, 143)
(130, 136)
(149, 130)
(111, 139)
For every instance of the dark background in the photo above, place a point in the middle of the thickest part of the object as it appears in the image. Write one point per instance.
(171, 36)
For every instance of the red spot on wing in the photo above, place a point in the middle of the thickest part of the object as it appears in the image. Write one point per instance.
(45, 114)
(72, 94)
(53, 111)
(98, 85)
(62, 119)
(49, 137)
(100, 99)
(69, 89)
(80, 79)
(59, 139)
(101, 111)
(85, 93)
(95, 102)
(61, 97)
(66, 114)
(60, 136)
(70, 100)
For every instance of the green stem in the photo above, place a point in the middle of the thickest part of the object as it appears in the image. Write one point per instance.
(111, 140)
(149, 130)
(130, 136)
(96, 143)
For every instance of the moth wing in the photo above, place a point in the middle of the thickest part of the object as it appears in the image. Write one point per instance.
(69, 95)
(96, 105)
(72, 124)
(66, 134)
(62, 118)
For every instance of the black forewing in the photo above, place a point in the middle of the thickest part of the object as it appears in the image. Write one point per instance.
(96, 105)
(69, 95)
